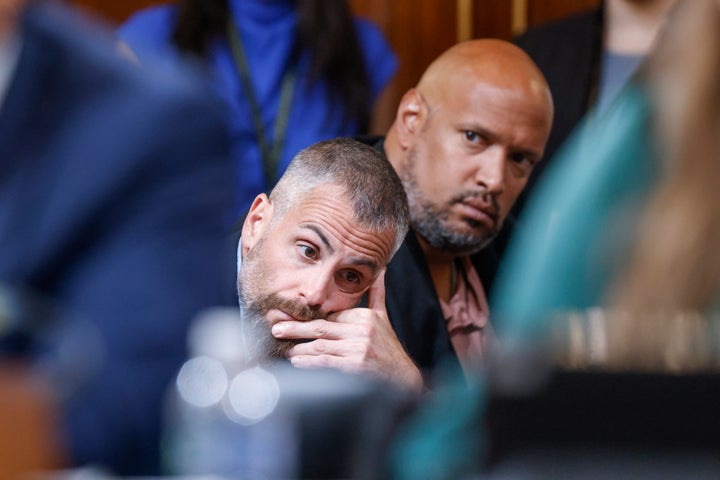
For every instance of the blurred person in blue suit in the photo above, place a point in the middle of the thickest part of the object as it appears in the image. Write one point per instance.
(113, 190)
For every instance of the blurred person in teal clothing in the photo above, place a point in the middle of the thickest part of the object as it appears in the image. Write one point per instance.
(630, 218)
(627, 220)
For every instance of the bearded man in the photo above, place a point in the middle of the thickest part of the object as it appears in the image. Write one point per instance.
(309, 253)
(464, 143)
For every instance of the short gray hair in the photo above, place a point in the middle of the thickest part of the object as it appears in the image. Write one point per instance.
(369, 181)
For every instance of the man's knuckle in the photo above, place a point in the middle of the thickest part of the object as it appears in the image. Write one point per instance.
(366, 330)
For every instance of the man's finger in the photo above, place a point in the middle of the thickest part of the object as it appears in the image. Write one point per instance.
(315, 329)
(325, 361)
(321, 346)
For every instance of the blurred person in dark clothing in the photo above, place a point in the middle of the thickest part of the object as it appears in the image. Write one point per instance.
(587, 58)
(630, 217)
(113, 185)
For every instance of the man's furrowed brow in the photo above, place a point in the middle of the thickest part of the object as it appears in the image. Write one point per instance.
(364, 262)
(318, 231)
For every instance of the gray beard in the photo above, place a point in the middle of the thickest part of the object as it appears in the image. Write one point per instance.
(259, 340)
(255, 306)
(431, 221)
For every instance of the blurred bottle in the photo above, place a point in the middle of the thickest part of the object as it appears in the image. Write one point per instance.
(229, 417)
(221, 416)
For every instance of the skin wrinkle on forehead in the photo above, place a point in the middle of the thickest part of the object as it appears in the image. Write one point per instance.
(333, 219)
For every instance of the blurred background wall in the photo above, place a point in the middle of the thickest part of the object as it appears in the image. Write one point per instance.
(418, 30)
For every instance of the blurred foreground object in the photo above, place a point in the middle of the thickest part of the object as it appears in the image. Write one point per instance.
(113, 187)
(229, 417)
(686, 343)
(629, 219)
(546, 419)
(563, 407)
(587, 58)
(47, 355)
(619, 264)
(30, 436)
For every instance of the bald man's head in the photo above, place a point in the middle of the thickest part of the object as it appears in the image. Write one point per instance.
(466, 139)
(492, 61)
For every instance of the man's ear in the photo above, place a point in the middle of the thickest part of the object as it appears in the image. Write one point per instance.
(411, 115)
(256, 222)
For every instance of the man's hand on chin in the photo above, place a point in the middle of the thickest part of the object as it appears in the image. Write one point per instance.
(359, 340)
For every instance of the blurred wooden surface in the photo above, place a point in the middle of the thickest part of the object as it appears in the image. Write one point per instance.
(542, 11)
(29, 434)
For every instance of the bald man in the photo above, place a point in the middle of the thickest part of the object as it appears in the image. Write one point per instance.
(463, 142)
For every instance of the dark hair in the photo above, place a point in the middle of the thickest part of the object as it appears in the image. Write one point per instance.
(325, 29)
(369, 181)
(198, 23)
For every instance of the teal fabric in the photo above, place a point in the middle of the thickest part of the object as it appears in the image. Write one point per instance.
(442, 442)
(563, 257)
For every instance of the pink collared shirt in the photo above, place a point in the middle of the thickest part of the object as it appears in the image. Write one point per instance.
(467, 319)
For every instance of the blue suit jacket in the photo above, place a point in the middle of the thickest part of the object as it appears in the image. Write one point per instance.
(114, 185)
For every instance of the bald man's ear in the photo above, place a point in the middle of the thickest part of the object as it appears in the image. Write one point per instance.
(257, 222)
(411, 116)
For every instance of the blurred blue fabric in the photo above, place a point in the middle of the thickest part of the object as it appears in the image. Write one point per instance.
(114, 186)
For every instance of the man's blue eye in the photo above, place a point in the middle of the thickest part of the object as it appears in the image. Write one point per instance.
(472, 136)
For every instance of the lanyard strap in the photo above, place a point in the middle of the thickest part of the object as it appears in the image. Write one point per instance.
(270, 150)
